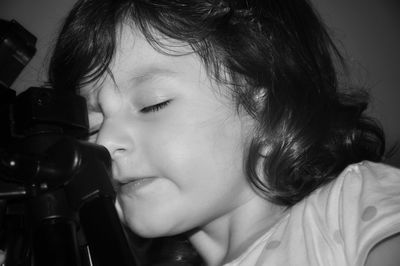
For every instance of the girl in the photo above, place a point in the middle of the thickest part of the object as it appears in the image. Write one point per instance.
(228, 121)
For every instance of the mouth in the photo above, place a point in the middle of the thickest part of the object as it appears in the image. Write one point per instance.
(134, 184)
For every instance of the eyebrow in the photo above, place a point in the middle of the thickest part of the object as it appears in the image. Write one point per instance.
(151, 73)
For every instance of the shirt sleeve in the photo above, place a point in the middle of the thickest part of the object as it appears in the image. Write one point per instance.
(338, 224)
(369, 208)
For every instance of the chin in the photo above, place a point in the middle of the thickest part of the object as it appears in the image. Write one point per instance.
(151, 228)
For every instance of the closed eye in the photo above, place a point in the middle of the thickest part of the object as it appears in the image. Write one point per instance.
(155, 107)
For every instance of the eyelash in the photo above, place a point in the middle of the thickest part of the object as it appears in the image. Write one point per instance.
(94, 132)
(148, 109)
(155, 108)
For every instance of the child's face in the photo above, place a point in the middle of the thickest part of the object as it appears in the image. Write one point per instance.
(176, 140)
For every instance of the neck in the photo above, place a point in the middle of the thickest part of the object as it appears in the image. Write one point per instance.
(227, 237)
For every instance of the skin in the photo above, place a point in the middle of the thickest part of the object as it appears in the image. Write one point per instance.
(177, 143)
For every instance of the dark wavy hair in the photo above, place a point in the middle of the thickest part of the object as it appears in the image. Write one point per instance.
(277, 57)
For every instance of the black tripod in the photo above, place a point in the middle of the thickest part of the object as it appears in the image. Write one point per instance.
(59, 197)
(56, 197)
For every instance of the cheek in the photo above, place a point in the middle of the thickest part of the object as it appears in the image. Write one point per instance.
(202, 150)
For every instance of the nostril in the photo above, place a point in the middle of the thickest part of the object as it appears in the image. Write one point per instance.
(114, 153)
(116, 150)
(115, 137)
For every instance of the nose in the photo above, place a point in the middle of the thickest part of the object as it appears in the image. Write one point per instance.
(115, 137)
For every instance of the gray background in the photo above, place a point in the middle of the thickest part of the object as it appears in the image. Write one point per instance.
(368, 31)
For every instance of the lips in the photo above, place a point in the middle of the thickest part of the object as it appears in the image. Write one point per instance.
(134, 184)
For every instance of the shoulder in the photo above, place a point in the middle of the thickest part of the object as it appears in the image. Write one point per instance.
(366, 200)
(369, 188)
(365, 183)
(384, 248)
(347, 218)
(370, 173)
(350, 221)
(359, 192)
(377, 171)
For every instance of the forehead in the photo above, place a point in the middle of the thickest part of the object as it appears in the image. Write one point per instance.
(139, 60)
(133, 49)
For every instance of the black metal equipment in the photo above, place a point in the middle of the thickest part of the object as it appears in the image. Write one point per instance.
(56, 196)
